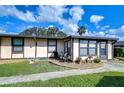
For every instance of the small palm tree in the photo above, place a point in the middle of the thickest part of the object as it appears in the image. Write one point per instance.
(81, 30)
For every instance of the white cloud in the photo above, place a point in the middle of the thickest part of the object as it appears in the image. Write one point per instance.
(13, 11)
(2, 30)
(115, 33)
(76, 13)
(71, 25)
(94, 33)
(51, 13)
(50, 26)
(70, 28)
(48, 14)
(101, 34)
(56, 14)
(96, 19)
(119, 30)
(105, 27)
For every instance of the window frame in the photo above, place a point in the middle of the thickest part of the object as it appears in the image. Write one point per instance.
(66, 46)
(83, 47)
(92, 48)
(52, 45)
(87, 47)
(16, 45)
(105, 49)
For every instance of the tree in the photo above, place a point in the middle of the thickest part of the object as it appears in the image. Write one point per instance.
(81, 30)
(41, 31)
(35, 31)
(52, 31)
(61, 34)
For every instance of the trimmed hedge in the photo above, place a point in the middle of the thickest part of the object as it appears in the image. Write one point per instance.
(119, 52)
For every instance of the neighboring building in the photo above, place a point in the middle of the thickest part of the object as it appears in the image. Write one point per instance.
(119, 44)
(18, 46)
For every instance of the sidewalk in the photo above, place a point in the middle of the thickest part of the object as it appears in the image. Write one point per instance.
(47, 76)
(58, 74)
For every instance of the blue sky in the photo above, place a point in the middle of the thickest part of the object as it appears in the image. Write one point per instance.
(99, 20)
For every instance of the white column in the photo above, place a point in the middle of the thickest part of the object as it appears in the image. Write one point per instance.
(75, 49)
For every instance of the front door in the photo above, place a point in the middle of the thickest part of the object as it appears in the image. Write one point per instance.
(103, 50)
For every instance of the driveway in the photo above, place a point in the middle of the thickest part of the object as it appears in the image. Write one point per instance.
(114, 66)
(50, 75)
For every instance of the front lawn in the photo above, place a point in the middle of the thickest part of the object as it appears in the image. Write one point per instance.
(105, 79)
(23, 68)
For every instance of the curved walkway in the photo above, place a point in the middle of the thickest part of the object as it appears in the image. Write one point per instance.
(51, 75)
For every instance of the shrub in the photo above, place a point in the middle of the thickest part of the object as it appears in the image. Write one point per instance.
(78, 60)
(119, 52)
(96, 60)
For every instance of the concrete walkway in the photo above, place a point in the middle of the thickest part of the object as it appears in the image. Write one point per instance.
(51, 75)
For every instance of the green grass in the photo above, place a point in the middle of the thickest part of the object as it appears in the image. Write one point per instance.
(105, 79)
(24, 68)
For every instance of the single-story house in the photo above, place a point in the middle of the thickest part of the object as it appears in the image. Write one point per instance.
(21, 46)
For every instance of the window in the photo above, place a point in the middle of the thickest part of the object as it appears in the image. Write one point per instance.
(92, 47)
(88, 47)
(17, 45)
(103, 48)
(67, 47)
(83, 51)
(51, 46)
(83, 47)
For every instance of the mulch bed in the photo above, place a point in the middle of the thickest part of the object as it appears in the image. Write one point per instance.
(77, 66)
(118, 61)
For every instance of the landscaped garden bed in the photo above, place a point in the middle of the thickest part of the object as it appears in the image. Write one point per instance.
(74, 65)
(119, 60)
(104, 79)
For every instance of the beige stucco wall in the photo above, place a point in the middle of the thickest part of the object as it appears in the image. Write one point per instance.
(60, 46)
(16, 55)
(42, 48)
(29, 48)
(5, 47)
(75, 49)
(110, 50)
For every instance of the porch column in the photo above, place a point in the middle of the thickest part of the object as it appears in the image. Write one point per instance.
(75, 49)
(110, 50)
(98, 49)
